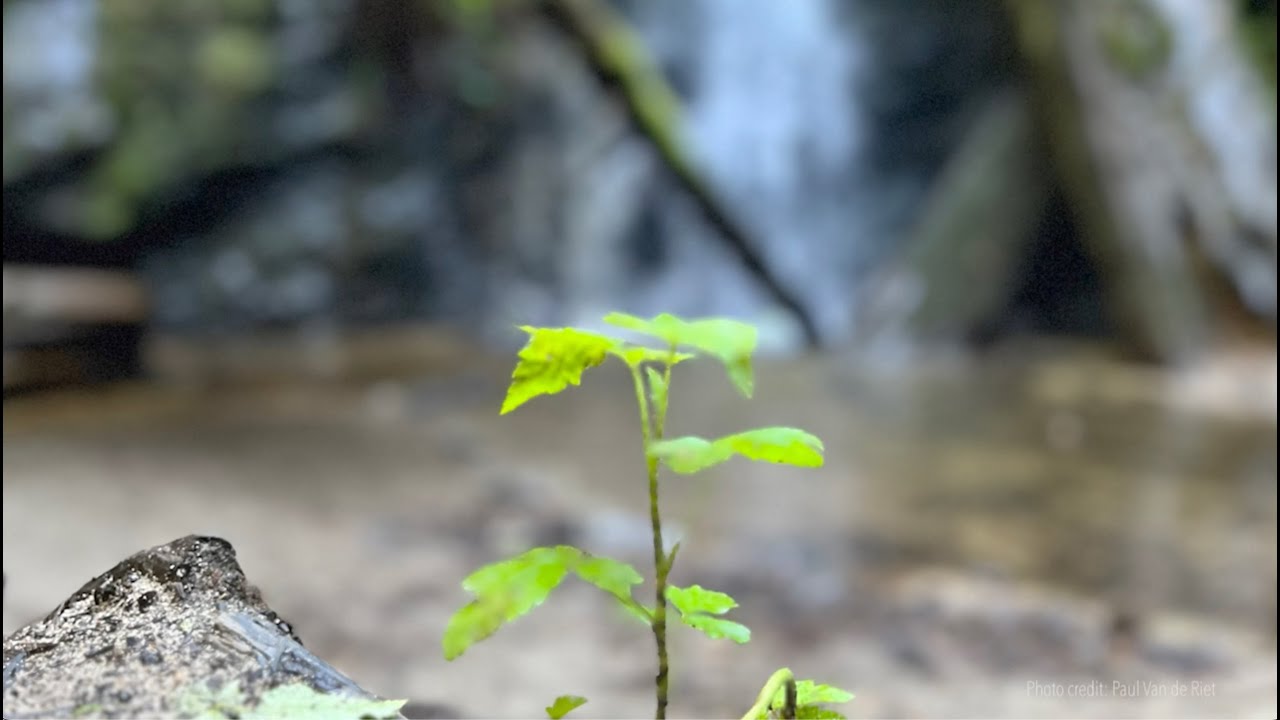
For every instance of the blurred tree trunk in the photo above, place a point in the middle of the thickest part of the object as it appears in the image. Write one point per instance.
(1162, 132)
(974, 224)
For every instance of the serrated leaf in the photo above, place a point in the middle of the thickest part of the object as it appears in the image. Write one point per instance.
(510, 588)
(730, 341)
(552, 360)
(564, 705)
(612, 576)
(808, 693)
(505, 591)
(302, 702)
(472, 623)
(717, 628)
(697, 599)
(690, 454)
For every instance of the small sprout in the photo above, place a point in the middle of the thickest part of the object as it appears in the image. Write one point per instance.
(554, 359)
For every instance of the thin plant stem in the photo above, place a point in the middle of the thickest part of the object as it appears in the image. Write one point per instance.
(660, 567)
(764, 701)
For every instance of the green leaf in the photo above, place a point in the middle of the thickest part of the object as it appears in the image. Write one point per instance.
(612, 576)
(790, 446)
(510, 588)
(817, 712)
(552, 360)
(474, 622)
(717, 628)
(810, 698)
(523, 571)
(637, 354)
(505, 591)
(697, 599)
(697, 606)
(730, 341)
(564, 705)
(688, 455)
(808, 693)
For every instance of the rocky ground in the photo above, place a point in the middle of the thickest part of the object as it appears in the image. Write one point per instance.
(1017, 541)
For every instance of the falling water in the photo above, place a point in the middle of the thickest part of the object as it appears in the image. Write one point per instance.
(772, 123)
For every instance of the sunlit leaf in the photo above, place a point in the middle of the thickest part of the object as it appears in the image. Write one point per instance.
(612, 576)
(698, 606)
(564, 705)
(730, 341)
(520, 571)
(505, 591)
(552, 360)
(690, 454)
(788, 446)
(808, 693)
(637, 354)
(510, 588)
(697, 599)
(811, 699)
(717, 628)
(472, 623)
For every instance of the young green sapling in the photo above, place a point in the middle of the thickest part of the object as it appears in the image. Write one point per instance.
(554, 359)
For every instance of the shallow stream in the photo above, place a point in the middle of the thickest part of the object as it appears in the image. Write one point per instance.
(989, 538)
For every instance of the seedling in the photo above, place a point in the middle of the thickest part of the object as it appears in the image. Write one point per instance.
(554, 359)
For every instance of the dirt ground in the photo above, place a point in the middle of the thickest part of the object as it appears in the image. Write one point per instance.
(1009, 539)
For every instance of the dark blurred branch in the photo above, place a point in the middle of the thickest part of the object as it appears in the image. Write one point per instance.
(617, 57)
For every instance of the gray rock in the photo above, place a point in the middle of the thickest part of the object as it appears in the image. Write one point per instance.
(164, 626)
